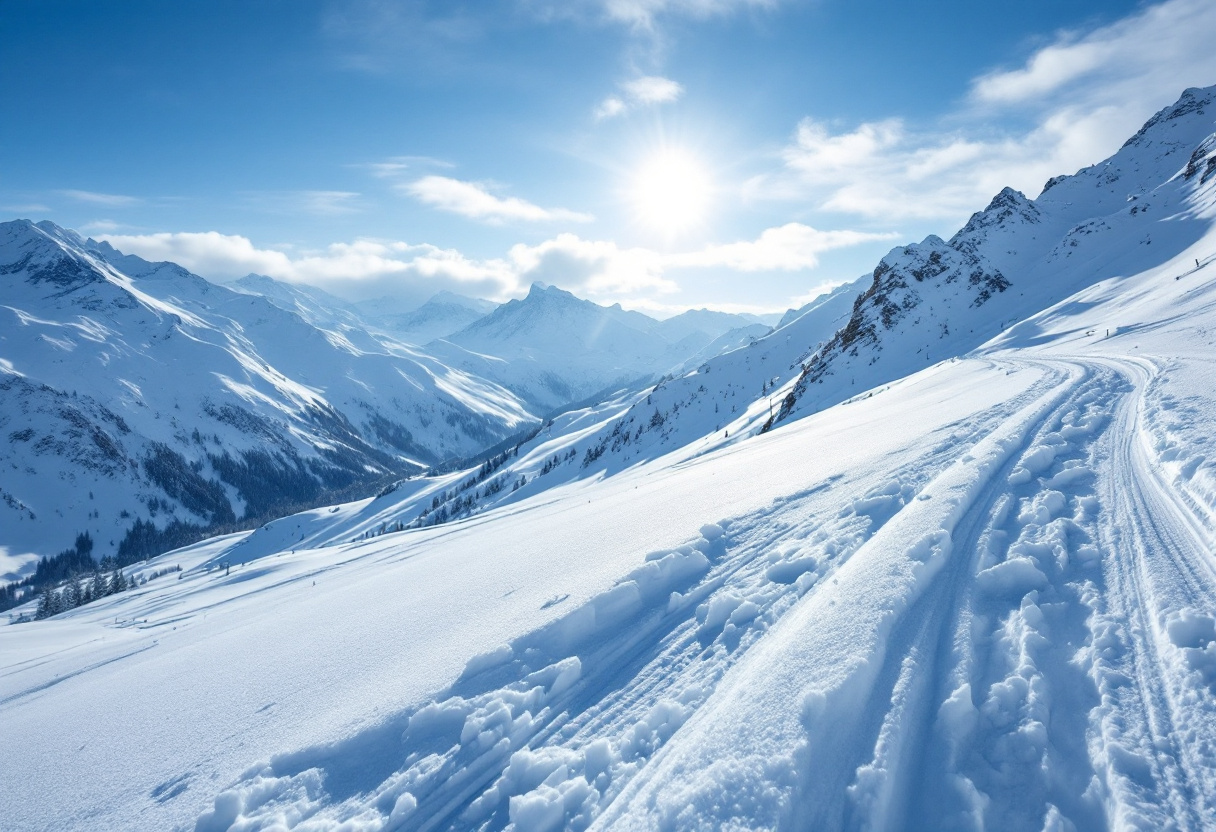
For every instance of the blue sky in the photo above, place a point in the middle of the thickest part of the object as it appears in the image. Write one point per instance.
(665, 154)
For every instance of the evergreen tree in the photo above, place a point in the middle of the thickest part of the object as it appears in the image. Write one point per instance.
(46, 603)
(98, 588)
(118, 582)
(71, 595)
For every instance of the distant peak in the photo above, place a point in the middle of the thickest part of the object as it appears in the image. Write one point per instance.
(539, 291)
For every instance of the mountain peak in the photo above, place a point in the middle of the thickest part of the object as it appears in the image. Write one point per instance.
(46, 253)
(1192, 100)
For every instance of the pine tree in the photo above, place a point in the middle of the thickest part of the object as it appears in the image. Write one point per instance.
(48, 603)
(71, 595)
(118, 582)
(97, 587)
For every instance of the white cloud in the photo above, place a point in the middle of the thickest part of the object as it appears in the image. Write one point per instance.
(102, 227)
(473, 200)
(394, 166)
(602, 268)
(362, 269)
(595, 267)
(1146, 56)
(653, 89)
(643, 14)
(610, 107)
(112, 200)
(1082, 96)
(209, 253)
(598, 268)
(790, 247)
(644, 91)
(320, 203)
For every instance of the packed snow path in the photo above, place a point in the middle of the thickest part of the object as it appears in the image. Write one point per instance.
(999, 616)
(1017, 638)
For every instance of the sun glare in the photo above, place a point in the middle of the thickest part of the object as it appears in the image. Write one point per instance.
(671, 192)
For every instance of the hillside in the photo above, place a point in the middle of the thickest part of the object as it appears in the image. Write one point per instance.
(824, 581)
(151, 396)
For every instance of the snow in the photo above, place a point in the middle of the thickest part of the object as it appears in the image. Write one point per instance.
(976, 592)
(383, 631)
(102, 367)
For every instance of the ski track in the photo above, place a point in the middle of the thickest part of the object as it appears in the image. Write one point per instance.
(1055, 670)
(529, 736)
(1164, 589)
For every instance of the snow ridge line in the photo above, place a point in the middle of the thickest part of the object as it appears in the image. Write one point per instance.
(810, 675)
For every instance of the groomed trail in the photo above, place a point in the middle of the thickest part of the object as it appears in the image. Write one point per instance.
(1013, 631)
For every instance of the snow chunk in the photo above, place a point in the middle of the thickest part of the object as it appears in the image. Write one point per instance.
(1016, 576)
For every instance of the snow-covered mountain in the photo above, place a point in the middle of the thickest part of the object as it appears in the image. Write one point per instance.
(934, 300)
(139, 393)
(925, 303)
(443, 314)
(941, 298)
(977, 596)
(706, 322)
(318, 307)
(552, 348)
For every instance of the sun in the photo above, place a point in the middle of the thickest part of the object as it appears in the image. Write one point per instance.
(671, 191)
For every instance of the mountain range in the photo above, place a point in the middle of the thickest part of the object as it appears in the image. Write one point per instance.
(935, 553)
(144, 404)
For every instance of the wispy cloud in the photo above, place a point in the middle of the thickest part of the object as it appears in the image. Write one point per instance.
(643, 15)
(646, 90)
(790, 247)
(27, 208)
(102, 227)
(598, 268)
(94, 198)
(474, 200)
(601, 268)
(1082, 95)
(361, 269)
(653, 89)
(595, 267)
(319, 203)
(396, 166)
(1148, 54)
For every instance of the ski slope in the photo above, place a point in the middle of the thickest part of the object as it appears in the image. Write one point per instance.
(981, 598)
(978, 596)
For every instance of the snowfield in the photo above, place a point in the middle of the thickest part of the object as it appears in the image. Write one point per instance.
(979, 595)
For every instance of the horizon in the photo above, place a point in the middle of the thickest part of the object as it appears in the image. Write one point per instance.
(733, 156)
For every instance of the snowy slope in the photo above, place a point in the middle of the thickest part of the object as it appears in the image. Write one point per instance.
(154, 395)
(318, 307)
(980, 596)
(859, 337)
(940, 298)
